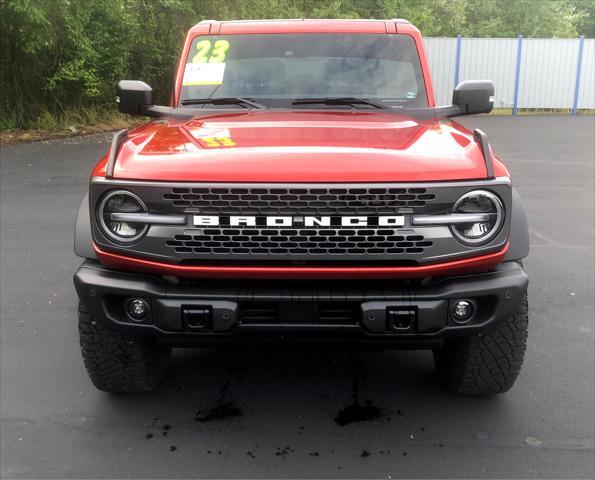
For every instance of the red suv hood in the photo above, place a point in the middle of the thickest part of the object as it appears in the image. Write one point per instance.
(300, 146)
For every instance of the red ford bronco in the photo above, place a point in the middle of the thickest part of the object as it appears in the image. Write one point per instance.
(302, 185)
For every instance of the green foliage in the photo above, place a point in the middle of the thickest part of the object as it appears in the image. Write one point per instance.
(531, 18)
(65, 56)
(584, 11)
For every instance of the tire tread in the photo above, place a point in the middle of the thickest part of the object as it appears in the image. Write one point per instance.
(486, 364)
(118, 362)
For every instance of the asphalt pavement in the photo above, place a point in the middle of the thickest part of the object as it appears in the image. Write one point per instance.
(273, 413)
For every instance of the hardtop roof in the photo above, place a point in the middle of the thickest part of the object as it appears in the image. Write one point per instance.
(395, 25)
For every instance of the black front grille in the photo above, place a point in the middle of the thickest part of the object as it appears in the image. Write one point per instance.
(333, 240)
(297, 241)
(297, 201)
(323, 313)
(259, 313)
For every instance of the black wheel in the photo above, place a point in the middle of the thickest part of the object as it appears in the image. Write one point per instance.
(485, 364)
(119, 362)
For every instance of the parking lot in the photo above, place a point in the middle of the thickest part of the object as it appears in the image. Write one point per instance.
(273, 413)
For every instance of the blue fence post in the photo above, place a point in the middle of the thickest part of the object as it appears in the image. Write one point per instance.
(517, 77)
(581, 42)
(458, 59)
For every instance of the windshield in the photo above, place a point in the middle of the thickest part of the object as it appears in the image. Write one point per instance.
(277, 69)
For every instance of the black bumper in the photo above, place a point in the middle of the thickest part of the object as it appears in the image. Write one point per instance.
(396, 315)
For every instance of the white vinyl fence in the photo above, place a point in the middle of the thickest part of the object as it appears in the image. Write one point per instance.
(527, 72)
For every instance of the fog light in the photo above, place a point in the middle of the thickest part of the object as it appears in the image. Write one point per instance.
(137, 309)
(462, 311)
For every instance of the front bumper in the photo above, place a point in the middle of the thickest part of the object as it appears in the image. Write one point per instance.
(219, 313)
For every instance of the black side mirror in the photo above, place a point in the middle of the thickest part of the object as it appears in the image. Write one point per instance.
(474, 96)
(133, 97)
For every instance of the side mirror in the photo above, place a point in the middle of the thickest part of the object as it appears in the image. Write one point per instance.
(133, 97)
(474, 96)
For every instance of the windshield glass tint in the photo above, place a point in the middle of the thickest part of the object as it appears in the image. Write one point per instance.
(276, 69)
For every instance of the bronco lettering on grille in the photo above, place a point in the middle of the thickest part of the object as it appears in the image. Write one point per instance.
(306, 221)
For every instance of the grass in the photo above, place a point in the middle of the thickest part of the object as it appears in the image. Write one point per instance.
(72, 122)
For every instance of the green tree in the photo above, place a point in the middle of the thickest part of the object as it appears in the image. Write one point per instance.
(585, 17)
(531, 18)
(60, 56)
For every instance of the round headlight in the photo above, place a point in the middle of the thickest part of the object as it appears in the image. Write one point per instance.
(121, 201)
(482, 202)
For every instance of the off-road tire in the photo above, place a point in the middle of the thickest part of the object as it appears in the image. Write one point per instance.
(485, 364)
(118, 362)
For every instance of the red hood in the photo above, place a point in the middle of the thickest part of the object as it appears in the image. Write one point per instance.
(301, 146)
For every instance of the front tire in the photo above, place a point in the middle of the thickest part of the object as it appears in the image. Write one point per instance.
(118, 362)
(485, 364)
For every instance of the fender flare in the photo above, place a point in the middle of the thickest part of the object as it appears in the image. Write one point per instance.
(83, 237)
(519, 230)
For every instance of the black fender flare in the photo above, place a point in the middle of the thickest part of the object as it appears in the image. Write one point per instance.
(83, 236)
(519, 230)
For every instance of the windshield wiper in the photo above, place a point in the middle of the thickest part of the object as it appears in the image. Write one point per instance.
(338, 101)
(243, 102)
